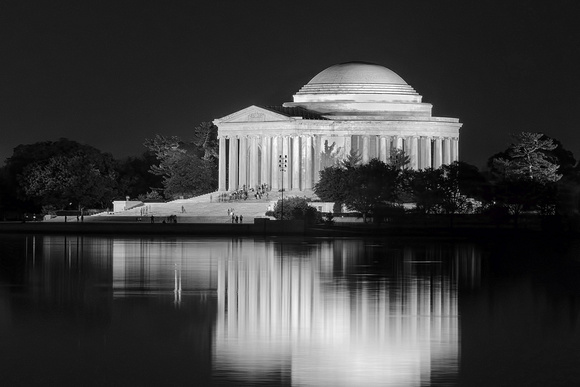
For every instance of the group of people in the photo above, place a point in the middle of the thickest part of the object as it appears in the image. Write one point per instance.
(171, 219)
(261, 191)
(244, 193)
(235, 218)
(144, 210)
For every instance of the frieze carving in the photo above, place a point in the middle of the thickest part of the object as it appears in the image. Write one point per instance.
(256, 116)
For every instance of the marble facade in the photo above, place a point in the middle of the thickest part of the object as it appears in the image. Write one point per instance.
(351, 106)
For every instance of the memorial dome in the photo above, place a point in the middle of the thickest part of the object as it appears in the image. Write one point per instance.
(358, 73)
(356, 78)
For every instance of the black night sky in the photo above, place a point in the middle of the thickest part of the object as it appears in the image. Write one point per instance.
(111, 74)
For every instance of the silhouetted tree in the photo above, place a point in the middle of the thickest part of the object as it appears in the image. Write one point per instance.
(186, 169)
(527, 159)
(333, 184)
(135, 178)
(361, 187)
(79, 179)
(527, 178)
(205, 139)
(296, 208)
(426, 190)
(30, 165)
(399, 159)
(371, 186)
(328, 155)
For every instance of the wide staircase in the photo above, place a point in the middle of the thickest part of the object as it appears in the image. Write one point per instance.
(200, 209)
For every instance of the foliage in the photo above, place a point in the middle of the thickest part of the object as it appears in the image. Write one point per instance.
(351, 160)
(328, 155)
(362, 187)
(296, 208)
(527, 159)
(333, 184)
(425, 186)
(205, 139)
(153, 196)
(371, 185)
(187, 169)
(190, 176)
(399, 159)
(78, 180)
(53, 174)
(526, 178)
(134, 177)
(27, 157)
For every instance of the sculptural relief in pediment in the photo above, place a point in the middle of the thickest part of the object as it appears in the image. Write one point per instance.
(254, 114)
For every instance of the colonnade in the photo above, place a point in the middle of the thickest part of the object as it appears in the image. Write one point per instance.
(253, 160)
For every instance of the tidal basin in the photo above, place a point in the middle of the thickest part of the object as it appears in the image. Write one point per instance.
(94, 310)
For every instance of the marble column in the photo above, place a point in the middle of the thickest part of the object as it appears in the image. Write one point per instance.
(454, 149)
(414, 156)
(222, 181)
(428, 157)
(409, 149)
(388, 149)
(438, 153)
(296, 163)
(383, 149)
(447, 151)
(265, 161)
(243, 162)
(254, 165)
(233, 167)
(399, 142)
(365, 149)
(286, 152)
(275, 154)
(424, 154)
(316, 158)
(308, 161)
(347, 145)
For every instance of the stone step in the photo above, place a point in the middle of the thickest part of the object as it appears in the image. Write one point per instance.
(203, 208)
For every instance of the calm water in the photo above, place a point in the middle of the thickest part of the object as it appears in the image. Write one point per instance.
(281, 311)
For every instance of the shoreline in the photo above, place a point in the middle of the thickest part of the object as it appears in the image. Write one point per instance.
(277, 228)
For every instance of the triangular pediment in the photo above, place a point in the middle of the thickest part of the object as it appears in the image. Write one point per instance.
(254, 114)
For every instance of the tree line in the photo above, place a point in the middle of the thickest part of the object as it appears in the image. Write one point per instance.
(48, 176)
(534, 174)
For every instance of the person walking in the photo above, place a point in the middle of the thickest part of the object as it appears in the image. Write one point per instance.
(241, 218)
(152, 219)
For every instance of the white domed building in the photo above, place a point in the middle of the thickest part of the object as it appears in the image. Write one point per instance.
(354, 105)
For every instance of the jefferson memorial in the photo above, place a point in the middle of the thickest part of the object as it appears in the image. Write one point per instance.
(349, 106)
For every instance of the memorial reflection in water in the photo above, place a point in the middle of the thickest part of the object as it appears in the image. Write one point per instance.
(322, 312)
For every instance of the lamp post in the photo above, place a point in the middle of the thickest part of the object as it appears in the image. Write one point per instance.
(282, 165)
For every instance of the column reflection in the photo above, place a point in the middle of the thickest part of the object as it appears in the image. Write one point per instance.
(317, 316)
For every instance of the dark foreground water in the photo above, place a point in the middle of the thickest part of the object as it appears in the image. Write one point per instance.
(304, 312)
